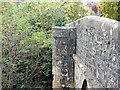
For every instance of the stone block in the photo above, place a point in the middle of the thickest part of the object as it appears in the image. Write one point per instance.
(64, 67)
(64, 32)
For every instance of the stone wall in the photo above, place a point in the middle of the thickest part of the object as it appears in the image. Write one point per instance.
(97, 53)
(0, 53)
(63, 49)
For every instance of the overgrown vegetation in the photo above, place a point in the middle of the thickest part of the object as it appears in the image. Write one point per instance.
(110, 10)
(27, 40)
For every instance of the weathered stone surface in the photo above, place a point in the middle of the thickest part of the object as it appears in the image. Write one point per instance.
(64, 41)
(0, 54)
(69, 32)
(97, 47)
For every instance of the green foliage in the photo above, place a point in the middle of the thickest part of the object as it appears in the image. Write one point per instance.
(61, 21)
(110, 10)
(73, 9)
(24, 47)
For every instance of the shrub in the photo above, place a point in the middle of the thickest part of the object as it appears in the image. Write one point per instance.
(110, 10)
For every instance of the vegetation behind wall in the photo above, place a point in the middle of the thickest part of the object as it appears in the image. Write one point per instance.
(110, 10)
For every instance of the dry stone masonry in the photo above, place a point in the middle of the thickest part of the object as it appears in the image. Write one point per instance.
(87, 51)
(63, 49)
(0, 53)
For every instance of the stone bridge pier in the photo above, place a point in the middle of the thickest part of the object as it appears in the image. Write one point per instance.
(86, 54)
(64, 41)
(0, 61)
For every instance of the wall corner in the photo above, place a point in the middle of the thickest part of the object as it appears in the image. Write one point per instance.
(64, 43)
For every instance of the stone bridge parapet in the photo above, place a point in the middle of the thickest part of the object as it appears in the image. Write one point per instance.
(94, 53)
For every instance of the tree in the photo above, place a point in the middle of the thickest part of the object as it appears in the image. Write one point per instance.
(72, 10)
(93, 6)
(110, 10)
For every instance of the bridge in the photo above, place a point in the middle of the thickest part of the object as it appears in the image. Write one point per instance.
(86, 54)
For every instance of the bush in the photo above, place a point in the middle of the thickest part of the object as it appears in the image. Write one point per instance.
(61, 21)
(110, 10)
(26, 50)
